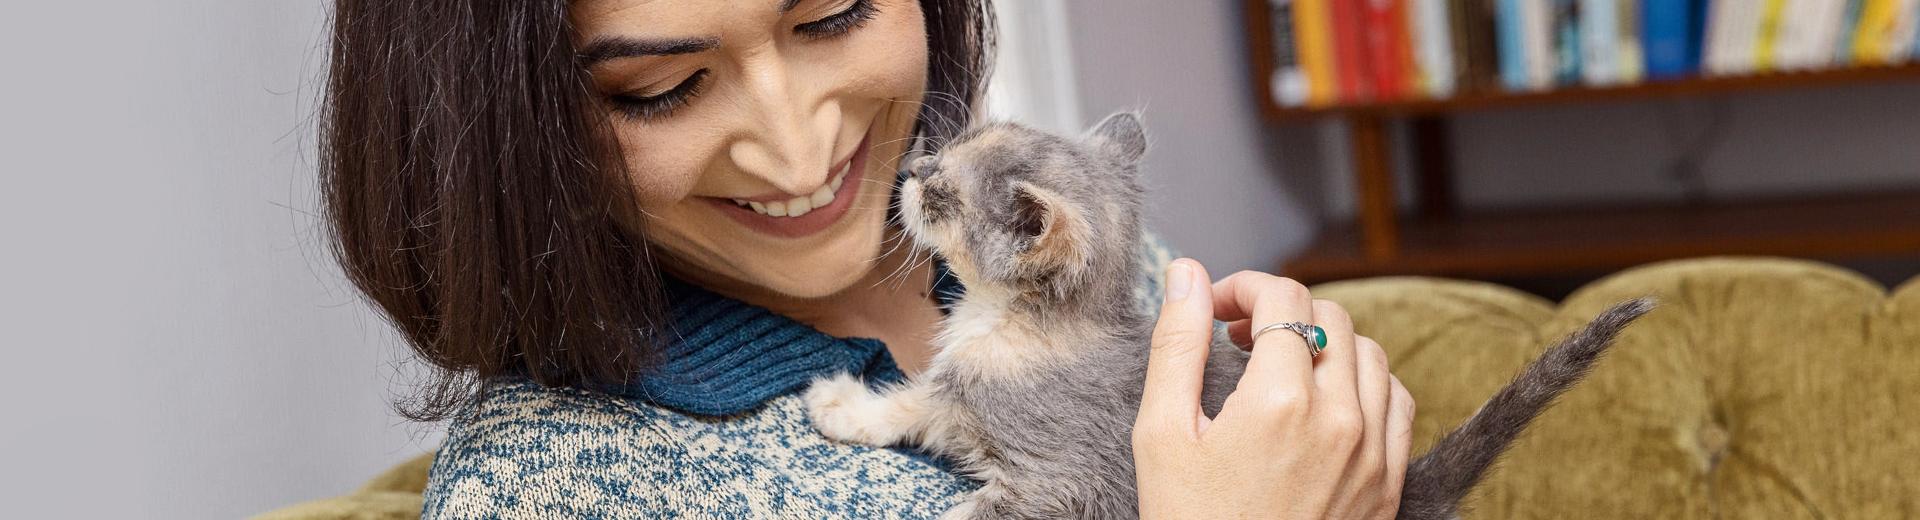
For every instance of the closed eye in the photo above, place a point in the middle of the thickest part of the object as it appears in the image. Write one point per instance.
(854, 16)
(656, 106)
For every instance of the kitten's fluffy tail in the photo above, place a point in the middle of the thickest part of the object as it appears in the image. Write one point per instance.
(1437, 481)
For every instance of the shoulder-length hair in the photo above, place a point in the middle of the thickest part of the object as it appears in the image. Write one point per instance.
(476, 197)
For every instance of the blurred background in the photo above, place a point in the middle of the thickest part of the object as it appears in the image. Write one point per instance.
(181, 345)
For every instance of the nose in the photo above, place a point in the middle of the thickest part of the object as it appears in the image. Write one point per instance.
(789, 130)
(924, 166)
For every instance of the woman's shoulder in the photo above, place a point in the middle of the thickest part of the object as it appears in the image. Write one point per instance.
(520, 447)
(534, 450)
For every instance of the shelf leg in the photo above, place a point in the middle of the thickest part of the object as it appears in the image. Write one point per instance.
(1380, 233)
(1434, 156)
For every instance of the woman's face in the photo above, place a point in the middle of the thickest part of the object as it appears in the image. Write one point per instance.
(761, 136)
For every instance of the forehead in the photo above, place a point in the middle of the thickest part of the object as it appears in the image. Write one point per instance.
(669, 18)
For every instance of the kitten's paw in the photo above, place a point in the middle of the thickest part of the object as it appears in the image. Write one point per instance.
(965, 510)
(843, 409)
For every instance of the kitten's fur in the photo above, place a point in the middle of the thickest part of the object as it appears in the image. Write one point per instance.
(1040, 365)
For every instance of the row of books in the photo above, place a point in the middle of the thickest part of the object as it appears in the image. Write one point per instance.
(1331, 52)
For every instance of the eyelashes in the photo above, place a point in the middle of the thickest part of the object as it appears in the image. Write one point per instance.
(657, 106)
(839, 23)
(660, 106)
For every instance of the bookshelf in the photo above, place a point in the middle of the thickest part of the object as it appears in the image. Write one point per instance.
(1442, 240)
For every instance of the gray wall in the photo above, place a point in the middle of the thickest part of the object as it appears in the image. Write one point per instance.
(178, 345)
(1215, 195)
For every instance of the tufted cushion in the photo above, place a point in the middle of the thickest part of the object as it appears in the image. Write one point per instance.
(393, 495)
(1760, 388)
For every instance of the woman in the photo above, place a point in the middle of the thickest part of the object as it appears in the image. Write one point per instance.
(628, 232)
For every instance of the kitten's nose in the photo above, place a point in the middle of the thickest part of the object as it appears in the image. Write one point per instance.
(923, 166)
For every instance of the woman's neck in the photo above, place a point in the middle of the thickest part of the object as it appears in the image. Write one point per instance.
(893, 303)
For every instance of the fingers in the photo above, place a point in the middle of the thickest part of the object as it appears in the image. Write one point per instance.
(1338, 369)
(1177, 363)
(1400, 410)
(1280, 372)
(1375, 389)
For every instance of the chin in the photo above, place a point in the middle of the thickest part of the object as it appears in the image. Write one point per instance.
(828, 268)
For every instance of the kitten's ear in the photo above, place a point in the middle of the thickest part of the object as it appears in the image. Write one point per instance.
(1049, 228)
(1121, 134)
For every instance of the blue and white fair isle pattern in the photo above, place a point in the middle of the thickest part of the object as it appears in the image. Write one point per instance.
(717, 431)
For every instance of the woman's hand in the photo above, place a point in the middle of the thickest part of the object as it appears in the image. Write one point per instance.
(1298, 438)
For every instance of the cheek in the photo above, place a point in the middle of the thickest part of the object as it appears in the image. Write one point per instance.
(665, 178)
(888, 59)
(959, 259)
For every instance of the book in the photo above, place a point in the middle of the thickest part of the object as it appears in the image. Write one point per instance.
(1430, 25)
(1628, 57)
(1511, 45)
(1599, 42)
(1915, 54)
(1388, 53)
(1289, 82)
(1477, 54)
(1668, 39)
(1806, 33)
(1349, 51)
(1565, 44)
(1697, 33)
(1884, 31)
(1733, 27)
(1537, 43)
(1842, 46)
(1906, 29)
(1313, 47)
(1765, 36)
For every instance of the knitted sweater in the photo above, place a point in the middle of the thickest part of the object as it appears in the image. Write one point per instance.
(716, 430)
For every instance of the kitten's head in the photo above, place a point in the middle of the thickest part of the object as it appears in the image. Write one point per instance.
(1036, 214)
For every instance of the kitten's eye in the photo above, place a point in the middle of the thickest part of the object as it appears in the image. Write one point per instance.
(651, 107)
(836, 24)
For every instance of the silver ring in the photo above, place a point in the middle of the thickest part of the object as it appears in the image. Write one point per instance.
(1315, 336)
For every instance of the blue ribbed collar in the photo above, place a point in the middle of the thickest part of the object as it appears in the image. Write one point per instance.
(727, 356)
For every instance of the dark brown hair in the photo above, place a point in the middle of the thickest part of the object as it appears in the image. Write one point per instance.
(476, 196)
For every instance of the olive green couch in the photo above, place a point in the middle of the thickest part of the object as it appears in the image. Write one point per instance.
(1760, 388)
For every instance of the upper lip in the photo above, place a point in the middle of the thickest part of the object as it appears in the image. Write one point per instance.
(779, 196)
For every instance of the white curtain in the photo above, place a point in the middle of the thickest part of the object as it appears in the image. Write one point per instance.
(1033, 79)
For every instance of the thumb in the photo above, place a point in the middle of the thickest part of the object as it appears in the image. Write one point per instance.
(1176, 366)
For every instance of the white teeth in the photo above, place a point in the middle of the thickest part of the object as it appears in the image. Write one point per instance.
(798, 206)
(822, 196)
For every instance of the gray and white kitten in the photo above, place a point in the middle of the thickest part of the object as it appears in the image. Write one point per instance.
(1040, 365)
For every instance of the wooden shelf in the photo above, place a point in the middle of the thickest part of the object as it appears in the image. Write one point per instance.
(1527, 243)
(1445, 241)
(1684, 87)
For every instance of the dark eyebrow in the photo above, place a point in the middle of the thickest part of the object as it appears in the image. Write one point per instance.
(603, 49)
(787, 5)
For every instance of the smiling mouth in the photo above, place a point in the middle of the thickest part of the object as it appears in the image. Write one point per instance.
(794, 216)
(799, 206)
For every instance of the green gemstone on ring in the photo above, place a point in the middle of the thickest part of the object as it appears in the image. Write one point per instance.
(1319, 337)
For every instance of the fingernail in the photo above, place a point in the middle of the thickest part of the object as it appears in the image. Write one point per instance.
(1179, 281)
